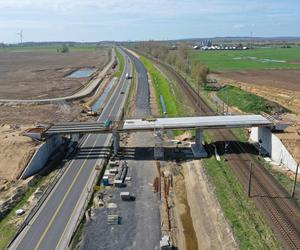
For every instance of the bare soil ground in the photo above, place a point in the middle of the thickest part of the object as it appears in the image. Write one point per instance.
(281, 86)
(212, 230)
(284, 79)
(38, 75)
(200, 220)
(32, 114)
(15, 151)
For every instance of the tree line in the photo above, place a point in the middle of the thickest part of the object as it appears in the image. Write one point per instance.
(178, 58)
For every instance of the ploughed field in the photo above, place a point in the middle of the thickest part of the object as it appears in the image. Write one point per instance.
(43, 74)
(282, 79)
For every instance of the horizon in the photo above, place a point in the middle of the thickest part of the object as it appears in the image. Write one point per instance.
(279, 38)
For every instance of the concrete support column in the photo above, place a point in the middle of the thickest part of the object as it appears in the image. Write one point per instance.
(197, 147)
(116, 142)
(199, 138)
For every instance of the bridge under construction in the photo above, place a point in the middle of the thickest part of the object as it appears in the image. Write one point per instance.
(155, 124)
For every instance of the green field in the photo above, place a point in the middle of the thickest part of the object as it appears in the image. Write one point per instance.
(248, 59)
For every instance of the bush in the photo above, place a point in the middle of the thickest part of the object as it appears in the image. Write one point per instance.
(63, 49)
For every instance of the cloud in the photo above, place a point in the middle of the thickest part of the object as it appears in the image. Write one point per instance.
(147, 18)
(165, 7)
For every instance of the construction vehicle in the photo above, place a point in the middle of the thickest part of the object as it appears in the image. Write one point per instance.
(126, 196)
(91, 113)
(107, 123)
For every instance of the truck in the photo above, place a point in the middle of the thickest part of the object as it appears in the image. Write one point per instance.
(127, 76)
(107, 123)
(127, 196)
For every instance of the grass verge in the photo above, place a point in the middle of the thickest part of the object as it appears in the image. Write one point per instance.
(171, 94)
(248, 226)
(130, 100)
(245, 101)
(121, 64)
(163, 87)
(282, 178)
(8, 225)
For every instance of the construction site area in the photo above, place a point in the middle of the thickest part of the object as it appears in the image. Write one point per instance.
(142, 159)
(38, 75)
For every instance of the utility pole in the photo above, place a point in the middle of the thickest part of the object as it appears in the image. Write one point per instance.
(227, 105)
(250, 180)
(295, 181)
(198, 90)
(223, 108)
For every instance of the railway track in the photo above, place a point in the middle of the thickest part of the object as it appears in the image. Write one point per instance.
(280, 211)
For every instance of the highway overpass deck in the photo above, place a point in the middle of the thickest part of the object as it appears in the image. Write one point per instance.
(135, 125)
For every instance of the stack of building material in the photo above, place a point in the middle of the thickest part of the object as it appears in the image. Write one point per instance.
(165, 243)
(121, 175)
(112, 219)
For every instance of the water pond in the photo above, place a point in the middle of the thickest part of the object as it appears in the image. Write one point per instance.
(80, 73)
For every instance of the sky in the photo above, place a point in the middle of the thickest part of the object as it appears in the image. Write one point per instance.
(129, 20)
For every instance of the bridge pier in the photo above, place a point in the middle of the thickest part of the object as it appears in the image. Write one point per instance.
(197, 147)
(116, 141)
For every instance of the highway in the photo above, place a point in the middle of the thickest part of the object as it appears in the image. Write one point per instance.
(53, 225)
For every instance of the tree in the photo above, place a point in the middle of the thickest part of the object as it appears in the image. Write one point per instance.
(64, 49)
(199, 73)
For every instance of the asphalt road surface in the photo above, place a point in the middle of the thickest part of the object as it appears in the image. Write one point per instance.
(53, 225)
(142, 103)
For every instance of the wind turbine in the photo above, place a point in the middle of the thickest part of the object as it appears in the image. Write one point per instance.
(20, 34)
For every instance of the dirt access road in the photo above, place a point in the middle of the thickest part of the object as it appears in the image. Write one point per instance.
(195, 197)
(41, 74)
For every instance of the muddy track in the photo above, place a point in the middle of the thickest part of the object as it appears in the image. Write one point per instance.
(280, 211)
